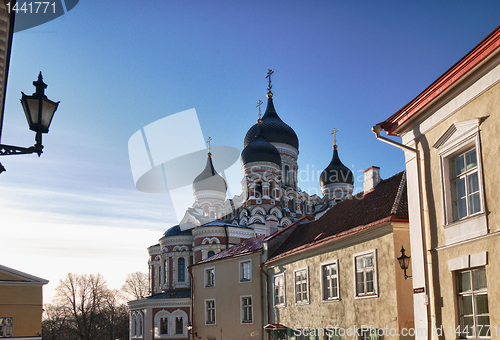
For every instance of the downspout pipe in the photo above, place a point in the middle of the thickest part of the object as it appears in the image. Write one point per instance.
(431, 309)
(267, 292)
(192, 300)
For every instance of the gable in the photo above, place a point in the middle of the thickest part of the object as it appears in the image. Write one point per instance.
(457, 131)
(10, 274)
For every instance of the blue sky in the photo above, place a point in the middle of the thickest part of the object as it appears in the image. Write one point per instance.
(117, 66)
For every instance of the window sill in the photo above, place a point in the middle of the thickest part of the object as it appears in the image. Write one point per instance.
(245, 281)
(466, 228)
(366, 296)
(299, 303)
(330, 300)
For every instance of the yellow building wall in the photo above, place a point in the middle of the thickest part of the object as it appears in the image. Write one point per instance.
(486, 105)
(391, 309)
(23, 303)
(227, 292)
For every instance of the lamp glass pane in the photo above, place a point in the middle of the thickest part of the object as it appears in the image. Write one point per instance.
(33, 110)
(48, 109)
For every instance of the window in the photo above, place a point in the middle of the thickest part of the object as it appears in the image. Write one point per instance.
(209, 312)
(181, 267)
(462, 184)
(165, 280)
(371, 334)
(246, 309)
(164, 326)
(366, 274)
(301, 286)
(474, 315)
(332, 334)
(211, 253)
(465, 185)
(210, 277)
(245, 271)
(330, 281)
(179, 325)
(279, 290)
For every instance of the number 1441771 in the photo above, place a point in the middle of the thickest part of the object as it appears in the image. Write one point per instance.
(32, 7)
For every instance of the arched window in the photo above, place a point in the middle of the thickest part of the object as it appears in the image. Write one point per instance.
(164, 325)
(258, 189)
(165, 280)
(160, 274)
(134, 326)
(140, 325)
(211, 253)
(179, 325)
(287, 175)
(181, 267)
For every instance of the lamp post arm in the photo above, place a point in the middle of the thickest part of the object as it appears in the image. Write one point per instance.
(6, 150)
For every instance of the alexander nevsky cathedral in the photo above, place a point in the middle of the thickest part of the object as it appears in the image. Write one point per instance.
(270, 201)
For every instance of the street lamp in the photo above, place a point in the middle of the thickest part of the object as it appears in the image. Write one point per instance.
(190, 330)
(404, 262)
(39, 112)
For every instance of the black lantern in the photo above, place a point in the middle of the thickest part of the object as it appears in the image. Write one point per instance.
(404, 262)
(39, 112)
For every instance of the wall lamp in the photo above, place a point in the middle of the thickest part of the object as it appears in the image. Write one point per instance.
(190, 330)
(404, 262)
(39, 112)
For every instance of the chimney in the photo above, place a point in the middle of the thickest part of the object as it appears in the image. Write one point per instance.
(271, 227)
(372, 178)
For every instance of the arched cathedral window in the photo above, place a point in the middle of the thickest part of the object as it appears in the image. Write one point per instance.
(181, 267)
(211, 253)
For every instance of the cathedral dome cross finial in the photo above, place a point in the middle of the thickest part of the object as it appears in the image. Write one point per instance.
(208, 141)
(334, 133)
(269, 87)
(259, 103)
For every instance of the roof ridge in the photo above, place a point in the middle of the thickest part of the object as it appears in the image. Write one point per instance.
(399, 194)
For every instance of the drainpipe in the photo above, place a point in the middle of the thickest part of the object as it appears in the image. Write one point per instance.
(192, 300)
(431, 309)
(267, 290)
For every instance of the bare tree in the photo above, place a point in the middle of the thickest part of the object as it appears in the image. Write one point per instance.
(85, 309)
(136, 286)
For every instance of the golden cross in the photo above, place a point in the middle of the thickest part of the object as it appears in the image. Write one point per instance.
(259, 103)
(334, 133)
(208, 141)
(269, 72)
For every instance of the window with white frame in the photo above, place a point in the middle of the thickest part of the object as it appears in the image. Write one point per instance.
(5, 327)
(279, 290)
(330, 280)
(465, 185)
(301, 286)
(246, 271)
(210, 277)
(246, 309)
(210, 312)
(365, 269)
(462, 184)
(474, 317)
(161, 324)
(165, 266)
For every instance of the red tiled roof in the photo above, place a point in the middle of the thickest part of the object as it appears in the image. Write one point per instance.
(386, 202)
(246, 247)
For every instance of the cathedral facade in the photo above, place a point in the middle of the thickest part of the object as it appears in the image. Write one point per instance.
(270, 201)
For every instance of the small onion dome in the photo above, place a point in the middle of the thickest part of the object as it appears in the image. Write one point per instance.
(274, 129)
(260, 150)
(209, 179)
(175, 231)
(336, 172)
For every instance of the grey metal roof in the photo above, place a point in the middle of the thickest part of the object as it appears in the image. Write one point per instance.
(172, 294)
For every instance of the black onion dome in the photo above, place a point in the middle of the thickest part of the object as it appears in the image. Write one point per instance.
(336, 172)
(175, 231)
(260, 150)
(273, 129)
(209, 179)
